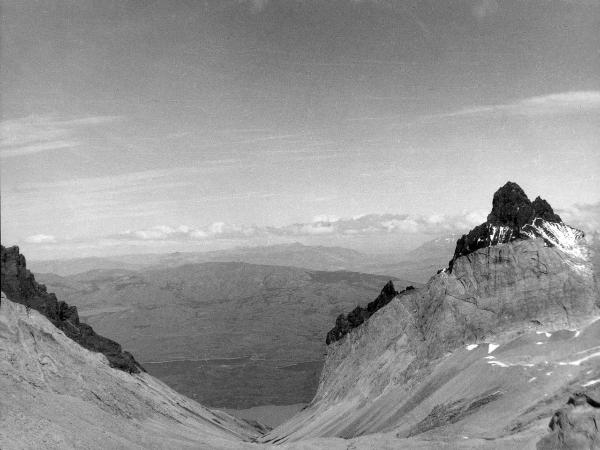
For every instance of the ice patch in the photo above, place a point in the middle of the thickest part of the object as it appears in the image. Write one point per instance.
(591, 383)
(471, 347)
(492, 347)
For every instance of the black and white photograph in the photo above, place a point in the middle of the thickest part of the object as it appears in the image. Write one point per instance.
(300, 224)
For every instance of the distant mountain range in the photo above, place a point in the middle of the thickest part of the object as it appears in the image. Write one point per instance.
(417, 265)
(294, 255)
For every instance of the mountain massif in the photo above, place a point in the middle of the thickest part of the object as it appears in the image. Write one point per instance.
(485, 352)
(499, 350)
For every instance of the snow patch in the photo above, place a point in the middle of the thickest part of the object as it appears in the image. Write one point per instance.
(532, 379)
(579, 361)
(562, 236)
(591, 383)
(544, 332)
(539, 343)
(471, 347)
(492, 347)
(499, 234)
(490, 357)
(498, 363)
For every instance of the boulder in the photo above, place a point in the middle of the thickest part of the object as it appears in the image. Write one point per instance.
(576, 426)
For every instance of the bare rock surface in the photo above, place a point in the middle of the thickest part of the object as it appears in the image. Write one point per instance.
(575, 426)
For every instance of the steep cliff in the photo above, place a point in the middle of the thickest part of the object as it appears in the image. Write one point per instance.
(19, 285)
(489, 348)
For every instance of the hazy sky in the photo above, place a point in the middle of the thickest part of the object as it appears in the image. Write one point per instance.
(160, 125)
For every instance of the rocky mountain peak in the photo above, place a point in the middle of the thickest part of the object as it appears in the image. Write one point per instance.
(510, 206)
(19, 285)
(514, 216)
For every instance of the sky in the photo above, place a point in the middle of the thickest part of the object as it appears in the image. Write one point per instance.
(150, 126)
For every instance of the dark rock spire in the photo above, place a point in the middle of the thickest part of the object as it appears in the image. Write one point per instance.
(345, 323)
(511, 211)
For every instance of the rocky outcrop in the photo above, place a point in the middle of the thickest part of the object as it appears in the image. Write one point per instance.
(575, 426)
(513, 216)
(19, 285)
(346, 323)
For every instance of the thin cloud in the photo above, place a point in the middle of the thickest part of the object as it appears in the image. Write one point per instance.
(365, 225)
(583, 216)
(35, 134)
(41, 239)
(559, 103)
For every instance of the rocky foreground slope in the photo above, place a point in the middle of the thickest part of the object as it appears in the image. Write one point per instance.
(481, 356)
(56, 394)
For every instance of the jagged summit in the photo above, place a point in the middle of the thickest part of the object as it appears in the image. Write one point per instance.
(512, 207)
(19, 285)
(514, 216)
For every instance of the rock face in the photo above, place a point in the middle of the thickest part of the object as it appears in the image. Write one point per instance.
(345, 323)
(513, 216)
(19, 285)
(575, 426)
(472, 351)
